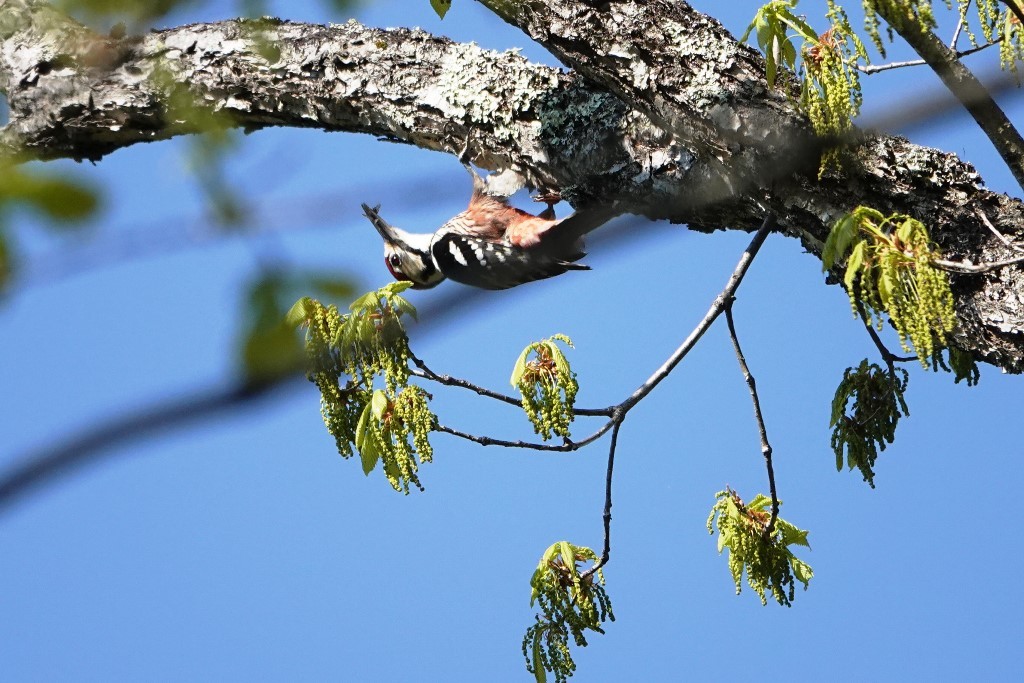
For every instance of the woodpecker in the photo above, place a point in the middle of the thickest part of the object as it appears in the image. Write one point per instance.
(490, 245)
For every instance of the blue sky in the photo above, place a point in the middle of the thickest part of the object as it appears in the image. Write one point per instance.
(243, 548)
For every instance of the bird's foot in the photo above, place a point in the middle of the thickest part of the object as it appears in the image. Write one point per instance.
(549, 197)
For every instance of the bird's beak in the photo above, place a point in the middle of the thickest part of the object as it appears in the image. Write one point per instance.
(383, 227)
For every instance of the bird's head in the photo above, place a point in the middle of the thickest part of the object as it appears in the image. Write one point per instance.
(407, 255)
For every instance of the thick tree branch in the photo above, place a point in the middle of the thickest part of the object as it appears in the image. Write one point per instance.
(962, 83)
(713, 163)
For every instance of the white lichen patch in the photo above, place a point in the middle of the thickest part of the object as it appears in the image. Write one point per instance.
(466, 88)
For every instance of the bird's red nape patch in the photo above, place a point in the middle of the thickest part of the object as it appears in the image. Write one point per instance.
(397, 275)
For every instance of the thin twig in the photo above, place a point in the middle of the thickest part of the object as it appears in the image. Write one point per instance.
(566, 447)
(447, 380)
(876, 68)
(721, 303)
(964, 85)
(717, 306)
(968, 267)
(766, 448)
(606, 550)
(960, 23)
(888, 356)
(619, 411)
(1002, 238)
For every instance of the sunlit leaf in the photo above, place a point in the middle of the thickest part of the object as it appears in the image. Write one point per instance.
(801, 570)
(366, 441)
(520, 367)
(299, 313)
(379, 404)
(853, 265)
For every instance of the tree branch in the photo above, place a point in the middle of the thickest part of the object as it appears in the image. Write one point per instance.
(888, 356)
(606, 548)
(450, 381)
(766, 448)
(75, 94)
(877, 68)
(968, 267)
(962, 83)
(37, 469)
(1015, 9)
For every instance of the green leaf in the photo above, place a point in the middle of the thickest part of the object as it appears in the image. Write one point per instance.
(770, 65)
(760, 502)
(441, 7)
(801, 570)
(60, 199)
(789, 54)
(379, 403)
(365, 441)
(367, 301)
(906, 231)
(886, 286)
(402, 305)
(335, 287)
(568, 556)
(561, 364)
(839, 239)
(271, 352)
(564, 339)
(397, 287)
(798, 24)
(539, 673)
(520, 367)
(854, 263)
(299, 313)
(790, 534)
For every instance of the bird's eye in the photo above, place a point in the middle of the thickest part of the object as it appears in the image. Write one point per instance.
(395, 260)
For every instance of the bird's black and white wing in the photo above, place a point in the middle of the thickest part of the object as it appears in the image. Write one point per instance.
(496, 265)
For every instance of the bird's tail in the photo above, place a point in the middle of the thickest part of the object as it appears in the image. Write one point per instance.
(573, 228)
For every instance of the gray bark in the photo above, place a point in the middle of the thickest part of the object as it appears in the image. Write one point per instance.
(664, 111)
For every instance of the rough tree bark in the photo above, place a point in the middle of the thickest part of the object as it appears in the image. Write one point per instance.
(664, 110)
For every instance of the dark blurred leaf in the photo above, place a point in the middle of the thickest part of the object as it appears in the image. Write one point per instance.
(6, 262)
(127, 9)
(60, 199)
(341, 4)
(271, 346)
(441, 7)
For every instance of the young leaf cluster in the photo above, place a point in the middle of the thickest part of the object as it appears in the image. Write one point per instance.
(346, 355)
(890, 268)
(865, 411)
(548, 386)
(831, 91)
(770, 566)
(570, 605)
(830, 82)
